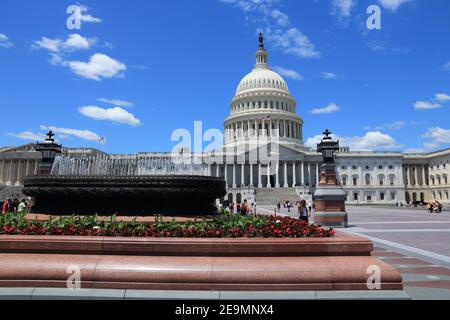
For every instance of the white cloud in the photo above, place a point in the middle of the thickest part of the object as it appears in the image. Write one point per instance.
(288, 73)
(281, 18)
(369, 142)
(117, 103)
(4, 41)
(72, 43)
(277, 27)
(393, 4)
(342, 8)
(331, 108)
(442, 97)
(446, 67)
(436, 137)
(99, 66)
(81, 134)
(27, 135)
(116, 114)
(330, 76)
(87, 17)
(396, 125)
(292, 41)
(426, 105)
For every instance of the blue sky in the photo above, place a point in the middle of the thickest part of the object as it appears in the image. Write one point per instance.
(138, 70)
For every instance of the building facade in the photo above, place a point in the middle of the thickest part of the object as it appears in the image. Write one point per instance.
(264, 158)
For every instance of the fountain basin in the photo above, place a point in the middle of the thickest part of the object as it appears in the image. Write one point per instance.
(175, 195)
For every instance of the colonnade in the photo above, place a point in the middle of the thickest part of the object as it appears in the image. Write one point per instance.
(14, 171)
(257, 128)
(280, 174)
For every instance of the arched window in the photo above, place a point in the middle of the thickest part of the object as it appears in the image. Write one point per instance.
(344, 180)
(381, 180)
(355, 180)
(368, 180)
(392, 180)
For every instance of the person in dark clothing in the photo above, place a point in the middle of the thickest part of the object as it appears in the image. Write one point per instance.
(15, 204)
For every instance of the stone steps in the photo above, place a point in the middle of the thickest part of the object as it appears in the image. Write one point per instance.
(274, 195)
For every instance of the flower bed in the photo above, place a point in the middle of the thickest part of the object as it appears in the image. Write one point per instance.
(228, 226)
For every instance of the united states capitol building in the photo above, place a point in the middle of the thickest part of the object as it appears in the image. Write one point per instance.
(264, 158)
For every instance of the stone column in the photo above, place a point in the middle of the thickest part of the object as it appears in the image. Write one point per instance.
(284, 133)
(217, 170)
(27, 168)
(317, 174)
(251, 175)
(226, 174)
(259, 176)
(234, 176)
(424, 180)
(19, 173)
(243, 175)
(309, 174)
(10, 173)
(36, 167)
(286, 185)
(268, 176)
(256, 133)
(303, 173)
(277, 170)
(294, 176)
(2, 164)
(416, 176)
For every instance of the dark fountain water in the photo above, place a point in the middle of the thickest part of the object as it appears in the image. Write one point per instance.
(127, 185)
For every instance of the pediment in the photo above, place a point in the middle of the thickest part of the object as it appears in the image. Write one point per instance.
(30, 147)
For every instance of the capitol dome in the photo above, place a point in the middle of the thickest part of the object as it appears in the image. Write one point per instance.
(263, 107)
(262, 78)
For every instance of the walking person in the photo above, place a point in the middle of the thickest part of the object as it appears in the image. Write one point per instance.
(244, 208)
(22, 208)
(278, 207)
(5, 206)
(303, 212)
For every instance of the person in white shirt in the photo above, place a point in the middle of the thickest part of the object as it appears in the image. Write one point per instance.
(22, 207)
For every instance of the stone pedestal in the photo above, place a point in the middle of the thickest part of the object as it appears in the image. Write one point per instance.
(330, 200)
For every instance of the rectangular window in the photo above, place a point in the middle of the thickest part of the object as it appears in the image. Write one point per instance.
(392, 196)
(355, 196)
(382, 196)
(369, 198)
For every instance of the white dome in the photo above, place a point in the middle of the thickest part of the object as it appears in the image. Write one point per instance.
(262, 78)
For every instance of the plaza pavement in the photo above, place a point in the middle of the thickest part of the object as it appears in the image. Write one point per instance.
(412, 240)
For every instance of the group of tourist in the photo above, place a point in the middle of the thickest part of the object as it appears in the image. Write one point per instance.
(240, 208)
(304, 210)
(14, 205)
(435, 207)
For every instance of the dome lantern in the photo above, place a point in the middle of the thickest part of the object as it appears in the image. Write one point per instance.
(261, 54)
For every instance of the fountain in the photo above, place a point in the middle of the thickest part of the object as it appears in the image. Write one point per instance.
(130, 185)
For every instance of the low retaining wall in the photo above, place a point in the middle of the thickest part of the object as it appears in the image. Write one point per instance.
(339, 263)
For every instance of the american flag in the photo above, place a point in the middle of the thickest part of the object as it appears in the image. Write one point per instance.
(102, 140)
(267, 119)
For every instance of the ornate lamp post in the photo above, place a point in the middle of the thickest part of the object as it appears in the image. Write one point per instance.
(329, 196)
(49, 150)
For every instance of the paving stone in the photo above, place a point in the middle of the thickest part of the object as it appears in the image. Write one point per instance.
(264, 295)
(16, 293)
(362, 295)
